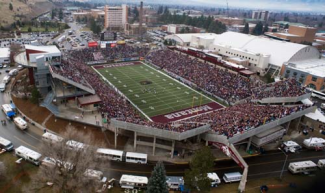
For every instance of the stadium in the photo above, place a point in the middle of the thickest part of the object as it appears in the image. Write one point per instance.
(169, 96)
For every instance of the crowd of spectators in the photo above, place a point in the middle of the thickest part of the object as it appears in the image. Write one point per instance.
(221, 82)
(70, 72)
(243, 117)
(228, 121)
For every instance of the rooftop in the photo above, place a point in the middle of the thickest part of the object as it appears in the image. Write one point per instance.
(4, 52)
(314, 67)
(47, 49)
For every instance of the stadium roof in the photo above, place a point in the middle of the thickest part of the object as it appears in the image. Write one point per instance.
(314, 67)
(188, 37)
(4, 52)
(279, 51)
(47, 49)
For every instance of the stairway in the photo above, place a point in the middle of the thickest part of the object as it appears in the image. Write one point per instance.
(47, 103)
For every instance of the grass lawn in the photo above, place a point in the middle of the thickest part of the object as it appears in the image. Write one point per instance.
(16, 175)
(152, 91)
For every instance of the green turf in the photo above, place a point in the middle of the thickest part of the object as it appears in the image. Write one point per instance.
(170, 95)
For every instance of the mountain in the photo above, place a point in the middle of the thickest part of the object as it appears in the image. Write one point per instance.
(22, 9)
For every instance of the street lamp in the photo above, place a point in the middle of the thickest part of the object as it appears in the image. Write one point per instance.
(285, 161)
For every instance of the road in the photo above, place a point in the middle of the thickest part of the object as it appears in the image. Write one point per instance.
(29, 138)
(267, 165)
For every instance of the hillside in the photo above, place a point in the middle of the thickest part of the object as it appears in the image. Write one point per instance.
(22, 9)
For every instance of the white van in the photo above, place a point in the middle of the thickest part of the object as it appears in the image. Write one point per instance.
(20, 123)
(174, 182)
(51, 138)
(232, 177)
(6, 79)
(75, 145)
(214, 178)
(291, 146)
(28, 154)
(6, 144)
(95, 175)
(2, 87)
(13, 72)
(321, 163)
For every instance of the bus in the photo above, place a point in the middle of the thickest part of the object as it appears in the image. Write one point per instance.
(6, 108)
(133, 157)
(6, 144)
(174, 182)
(51, 138)
(110, 154)
(316, 94)
(133, 182)
(302, 167)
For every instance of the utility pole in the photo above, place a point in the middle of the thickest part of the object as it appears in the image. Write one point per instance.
(227, 9)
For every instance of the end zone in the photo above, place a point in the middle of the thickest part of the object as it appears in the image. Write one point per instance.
(186, 113)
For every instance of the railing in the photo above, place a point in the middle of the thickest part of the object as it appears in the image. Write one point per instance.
(167, 134)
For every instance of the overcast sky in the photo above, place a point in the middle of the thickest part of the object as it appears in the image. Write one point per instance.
(287, 5)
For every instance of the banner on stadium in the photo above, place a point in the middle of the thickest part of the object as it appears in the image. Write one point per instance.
(107, 44)
(92, 44)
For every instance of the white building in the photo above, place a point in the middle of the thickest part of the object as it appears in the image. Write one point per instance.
(4, 55)
(116, 17)
(261, 52)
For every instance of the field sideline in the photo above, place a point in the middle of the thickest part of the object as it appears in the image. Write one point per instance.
(154, 93)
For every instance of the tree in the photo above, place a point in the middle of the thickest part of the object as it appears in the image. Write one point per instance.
(266, 28)
(258, 30)
(246, 29)
(286, 26)
(53, 13)
(29, 29)
(182, 31)
(11, 7)
(157, 181)
(67, 173)
(201, 164)
(36, 95)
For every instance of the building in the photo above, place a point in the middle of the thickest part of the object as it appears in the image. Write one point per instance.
(296, 34)
(310, 72)
(181, 28)
(229, 21)
(4, 55)
(37, 59)
(263, 53)
(95, 13)
(116, 17)
(283, 24)
(134, 29)
(263, 15)
(240, 28)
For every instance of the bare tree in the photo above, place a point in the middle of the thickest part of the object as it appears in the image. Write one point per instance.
(2, 171)
(67, 172)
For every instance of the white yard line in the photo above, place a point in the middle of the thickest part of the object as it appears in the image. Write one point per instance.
(123, 95)
(181, 83)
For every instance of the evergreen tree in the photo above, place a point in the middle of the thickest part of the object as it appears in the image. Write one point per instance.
(246, 29)
(201, 164)
(266, 28)
(60, 14)
(258, 30)
(53, 13)
(29, 29)
(157, 181)
(11, 7)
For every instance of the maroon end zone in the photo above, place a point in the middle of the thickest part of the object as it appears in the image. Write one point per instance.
(112, 65)
(185, 113)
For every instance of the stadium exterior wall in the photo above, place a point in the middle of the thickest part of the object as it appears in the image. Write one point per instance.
(161, 133)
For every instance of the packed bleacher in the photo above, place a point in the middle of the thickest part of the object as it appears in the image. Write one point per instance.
(243, 117)
(220, 82)
(288, 88)
(228, 121)
(70, 72)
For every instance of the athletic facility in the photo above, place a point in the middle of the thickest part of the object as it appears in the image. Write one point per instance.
(157, 96)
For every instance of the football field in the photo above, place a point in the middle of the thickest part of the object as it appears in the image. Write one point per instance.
(154, 93)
